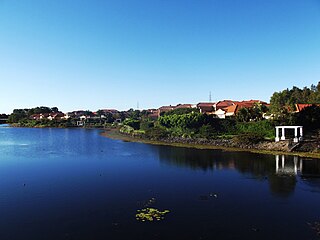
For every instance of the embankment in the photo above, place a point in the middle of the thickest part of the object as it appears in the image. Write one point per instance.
(304, 149)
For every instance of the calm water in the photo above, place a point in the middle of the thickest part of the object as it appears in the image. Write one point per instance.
(75, 184)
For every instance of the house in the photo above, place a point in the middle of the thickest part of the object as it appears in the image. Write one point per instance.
(83, 117)
(164, 109)
(55, 116)
(76, 114)
(206, 107)
(231, 110)
(186, 106)
(220, 113)
(223, 104)
(153, 113)
(35, 117)
(112, 111)
(49, 116)
(301, 106)
(233, 107)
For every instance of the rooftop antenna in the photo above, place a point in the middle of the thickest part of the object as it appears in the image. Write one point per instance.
(210, 100)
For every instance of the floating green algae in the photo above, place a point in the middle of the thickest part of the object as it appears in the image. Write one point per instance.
(150, 214)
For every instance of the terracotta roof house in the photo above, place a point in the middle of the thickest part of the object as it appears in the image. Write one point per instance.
(35, 117)
(186, 106)
(227, 111)
(164, 109)
(76, 114)
(153, 113)
(223, 104)
(56, 116)
(232, 110)
(301, 106)
(251, 102)
(112, 111)
(206, 107)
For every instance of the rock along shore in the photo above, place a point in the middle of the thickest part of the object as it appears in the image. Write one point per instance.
(309, 148)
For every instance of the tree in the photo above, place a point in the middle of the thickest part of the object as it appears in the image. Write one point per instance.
(100, 113)
(17, 115)
(309, 118)
(55, 109)
(42, 110)
(109, 117)
(243, 115)
(180, 111)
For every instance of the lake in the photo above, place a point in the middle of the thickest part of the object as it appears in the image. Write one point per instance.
(76, 184)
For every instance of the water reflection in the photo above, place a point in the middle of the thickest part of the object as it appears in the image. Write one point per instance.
(282, 172)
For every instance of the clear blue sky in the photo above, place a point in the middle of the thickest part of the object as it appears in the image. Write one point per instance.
(110, 54)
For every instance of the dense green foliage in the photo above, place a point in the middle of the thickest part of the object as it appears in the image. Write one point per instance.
(248, 138)
(181, 111)
(309, 117)
(157, 132)
(196, 125)
(135, 124)
(262, 128)
(22, 114)
(255, 113)
(183, 121)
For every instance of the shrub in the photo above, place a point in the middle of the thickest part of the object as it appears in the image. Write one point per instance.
(126, 129)
(263, 128)
(248, 138)
(145, 125)
(135, 124)
(157, 133)
(207, 131)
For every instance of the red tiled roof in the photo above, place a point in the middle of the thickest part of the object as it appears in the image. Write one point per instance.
(301, 106)
(205, 104)
(110, 110)
(231, 109)
(184, 106)
(224, 104)
(166, 108)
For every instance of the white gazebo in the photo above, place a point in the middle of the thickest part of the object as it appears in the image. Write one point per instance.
(283, 137)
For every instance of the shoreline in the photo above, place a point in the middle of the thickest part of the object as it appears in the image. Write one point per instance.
(114, 134)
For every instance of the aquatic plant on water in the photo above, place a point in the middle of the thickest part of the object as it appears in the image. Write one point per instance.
(150, 214)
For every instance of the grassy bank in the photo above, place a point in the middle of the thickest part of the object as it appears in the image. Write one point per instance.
(115, 134)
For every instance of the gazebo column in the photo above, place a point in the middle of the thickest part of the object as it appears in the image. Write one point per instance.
(295, 162)
(301, 134)
(296, 135)
(277, 135)
(277, 163)
(283, 137)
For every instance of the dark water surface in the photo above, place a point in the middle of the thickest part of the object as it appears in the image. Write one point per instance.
(75, 184)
